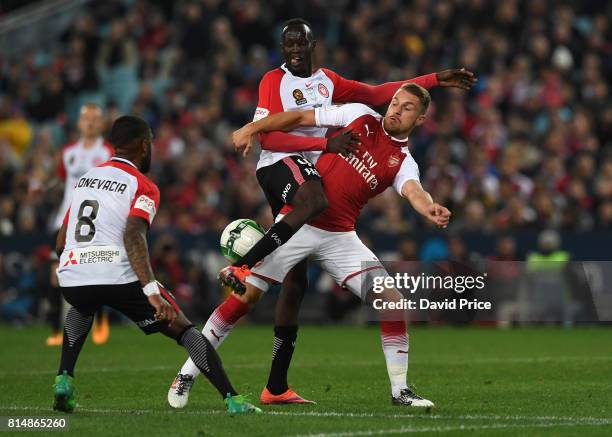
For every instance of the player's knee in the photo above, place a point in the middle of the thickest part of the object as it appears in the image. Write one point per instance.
(297, 287)
(392, 295)
(387, 295)
(314, 204)
(177, 328)
(319, 204)
(311, 199)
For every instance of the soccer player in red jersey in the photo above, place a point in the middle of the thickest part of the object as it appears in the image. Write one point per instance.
(285, 170)
(104, 261)
(287, 175)
(381, 160)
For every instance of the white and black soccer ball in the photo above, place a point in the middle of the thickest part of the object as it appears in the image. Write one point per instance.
(239, 237)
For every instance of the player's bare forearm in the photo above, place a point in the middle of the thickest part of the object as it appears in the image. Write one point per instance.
(417, 196)
(135, 240)
(422, 202)
(60, 241)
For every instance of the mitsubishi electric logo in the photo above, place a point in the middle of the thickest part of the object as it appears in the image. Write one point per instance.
(70, 259)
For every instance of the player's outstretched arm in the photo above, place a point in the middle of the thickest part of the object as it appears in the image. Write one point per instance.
(422, 202)
(343, 143)
(353, 91)
(457, 78)
(135, 241)
(278, 141)
(281, 121)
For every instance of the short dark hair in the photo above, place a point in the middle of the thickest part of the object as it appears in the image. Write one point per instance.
(420, 92)
(128, 129)
(296, 22)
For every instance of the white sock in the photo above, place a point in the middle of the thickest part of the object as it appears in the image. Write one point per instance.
(395, 347)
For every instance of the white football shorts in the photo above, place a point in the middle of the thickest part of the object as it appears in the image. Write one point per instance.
(341, 254)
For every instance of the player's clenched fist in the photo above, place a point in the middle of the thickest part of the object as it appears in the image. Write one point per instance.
(163, 310)
(344, 143)
(457, 78)
(243, 140)
(439, 215)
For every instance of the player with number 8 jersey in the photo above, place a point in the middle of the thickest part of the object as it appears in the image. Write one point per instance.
(102, 199)
(105, 261)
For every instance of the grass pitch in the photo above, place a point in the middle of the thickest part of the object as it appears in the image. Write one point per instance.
(536, 381)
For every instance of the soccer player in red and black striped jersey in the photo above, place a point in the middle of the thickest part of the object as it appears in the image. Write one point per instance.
(287, 175)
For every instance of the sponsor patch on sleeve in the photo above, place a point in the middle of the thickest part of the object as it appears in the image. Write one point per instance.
(147, 205)
(261, 113)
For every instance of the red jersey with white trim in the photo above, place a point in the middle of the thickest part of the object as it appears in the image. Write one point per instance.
(280, 90)
(74, 162)
(350, 182)
(102, 201)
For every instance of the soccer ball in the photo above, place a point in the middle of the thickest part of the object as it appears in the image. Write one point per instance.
(239, 237)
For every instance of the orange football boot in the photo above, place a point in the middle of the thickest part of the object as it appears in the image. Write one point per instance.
(235, 277)
(289, 397)
(55, 339)
(101, 329)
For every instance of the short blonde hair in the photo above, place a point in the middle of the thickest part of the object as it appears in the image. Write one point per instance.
(90, 105)
(420, 92)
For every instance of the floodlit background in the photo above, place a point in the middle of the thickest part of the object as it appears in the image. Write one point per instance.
(528, 150)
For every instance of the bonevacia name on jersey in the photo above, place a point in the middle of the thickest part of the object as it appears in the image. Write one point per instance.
(102, 184)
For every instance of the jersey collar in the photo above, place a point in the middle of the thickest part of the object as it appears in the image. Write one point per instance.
(125, 161)
(397, 140)
(286, 70)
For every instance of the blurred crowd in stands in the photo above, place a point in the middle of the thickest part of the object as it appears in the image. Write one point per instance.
(529, 148)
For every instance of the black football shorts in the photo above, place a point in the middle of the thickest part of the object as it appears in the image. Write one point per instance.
(128, 299)
(281, 180)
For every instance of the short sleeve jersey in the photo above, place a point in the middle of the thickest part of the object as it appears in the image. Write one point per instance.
(280, 90)
(351, 181)
(103, 199)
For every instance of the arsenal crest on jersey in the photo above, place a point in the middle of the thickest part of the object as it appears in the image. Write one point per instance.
(323, 90)
(393, 160)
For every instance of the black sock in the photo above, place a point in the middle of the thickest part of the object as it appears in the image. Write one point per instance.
(76, 328)
(284, 344)
(54, 316)
(205, 357)
(278, 235)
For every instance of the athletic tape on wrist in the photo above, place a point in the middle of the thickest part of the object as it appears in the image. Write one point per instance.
(151, 288)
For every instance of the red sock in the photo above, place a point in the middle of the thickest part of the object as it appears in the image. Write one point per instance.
(232, 309)
(222, 320)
